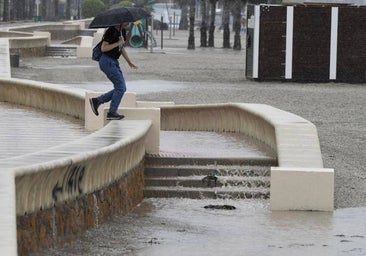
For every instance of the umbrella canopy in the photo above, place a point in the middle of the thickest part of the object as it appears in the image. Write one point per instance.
(117, 16)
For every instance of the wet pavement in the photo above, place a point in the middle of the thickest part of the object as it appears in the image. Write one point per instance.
(25, 130)
(184, 227)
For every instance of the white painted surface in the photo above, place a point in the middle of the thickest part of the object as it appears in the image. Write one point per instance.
(289, 41)
(333, 44)
(5, 71)
(256, 41)
(8, 227)
(302, 189)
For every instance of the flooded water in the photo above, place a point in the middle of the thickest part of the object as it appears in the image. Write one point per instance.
(167, 227)
(25, 130)
(212, 144)
(183, 226)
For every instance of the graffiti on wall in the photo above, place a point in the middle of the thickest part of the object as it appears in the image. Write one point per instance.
(71, 183)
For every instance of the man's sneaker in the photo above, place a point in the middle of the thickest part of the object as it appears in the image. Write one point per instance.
(114, 116)
(94, 105)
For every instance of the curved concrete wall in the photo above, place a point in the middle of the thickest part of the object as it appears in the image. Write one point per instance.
(299, 182)
(32, 40)
(42, 180)
(61, 99)
(62, 191)
(219, 118)
(27, 44)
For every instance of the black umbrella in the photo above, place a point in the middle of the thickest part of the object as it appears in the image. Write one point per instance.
(117, 16)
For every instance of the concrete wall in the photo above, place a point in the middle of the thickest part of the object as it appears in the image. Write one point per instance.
(299, 182)
(27, 44)
(32, 40)
(62, 99)
(99, 172)
(87, 184)
(53, 196)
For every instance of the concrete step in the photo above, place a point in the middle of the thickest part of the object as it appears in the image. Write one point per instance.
(204, 181)
(189, 177)
(63, 51)
(204, 170)
(172, 160)
(206, 193)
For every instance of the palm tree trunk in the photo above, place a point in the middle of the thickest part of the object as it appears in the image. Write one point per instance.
(203, 23)
(68, 9)
(43, 9)
(183, 23)
(192, 12)
(56, 10)
(237, 7)
(6, 12)
(31, 9)
(226, 24)
(211, 31)
(18, 9)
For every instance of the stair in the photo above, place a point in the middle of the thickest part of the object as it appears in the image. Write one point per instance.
(199, 178)
(61, 51)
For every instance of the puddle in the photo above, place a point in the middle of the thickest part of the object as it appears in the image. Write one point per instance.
(212, 144)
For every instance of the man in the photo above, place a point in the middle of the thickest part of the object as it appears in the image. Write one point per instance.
(112, 48)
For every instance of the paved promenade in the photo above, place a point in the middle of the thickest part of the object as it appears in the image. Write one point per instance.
(215, 75)
(184, 227)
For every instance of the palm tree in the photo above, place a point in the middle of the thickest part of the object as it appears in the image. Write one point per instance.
(6, 11)
(56, 10)
(183, 23)
(211, 31)
(145, 4)
(68, 9)
(225, 23)
(203, 23)
(236, 10)
(192, 12)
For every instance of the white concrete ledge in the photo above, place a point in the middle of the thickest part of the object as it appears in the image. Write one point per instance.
(132, 110)
(5, 71)
(299, 182)
(8, 227)
(302, 189)
(103, 157)
(57, 98)
(152, 142)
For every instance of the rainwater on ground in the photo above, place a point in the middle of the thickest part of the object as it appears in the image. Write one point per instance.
(177, 227)
(183, 226)
(25, 130)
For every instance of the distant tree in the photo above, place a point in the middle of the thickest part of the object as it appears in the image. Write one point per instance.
(56, 9)
(43, 8)
(211, 30)
(226, 23)
(6, 10)
(203, 28)
(236, 10)
(68, 9)
(125, 4)
(144, 4)
(183, 23)
(18, 9)
(91, 8)
(192, 12)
